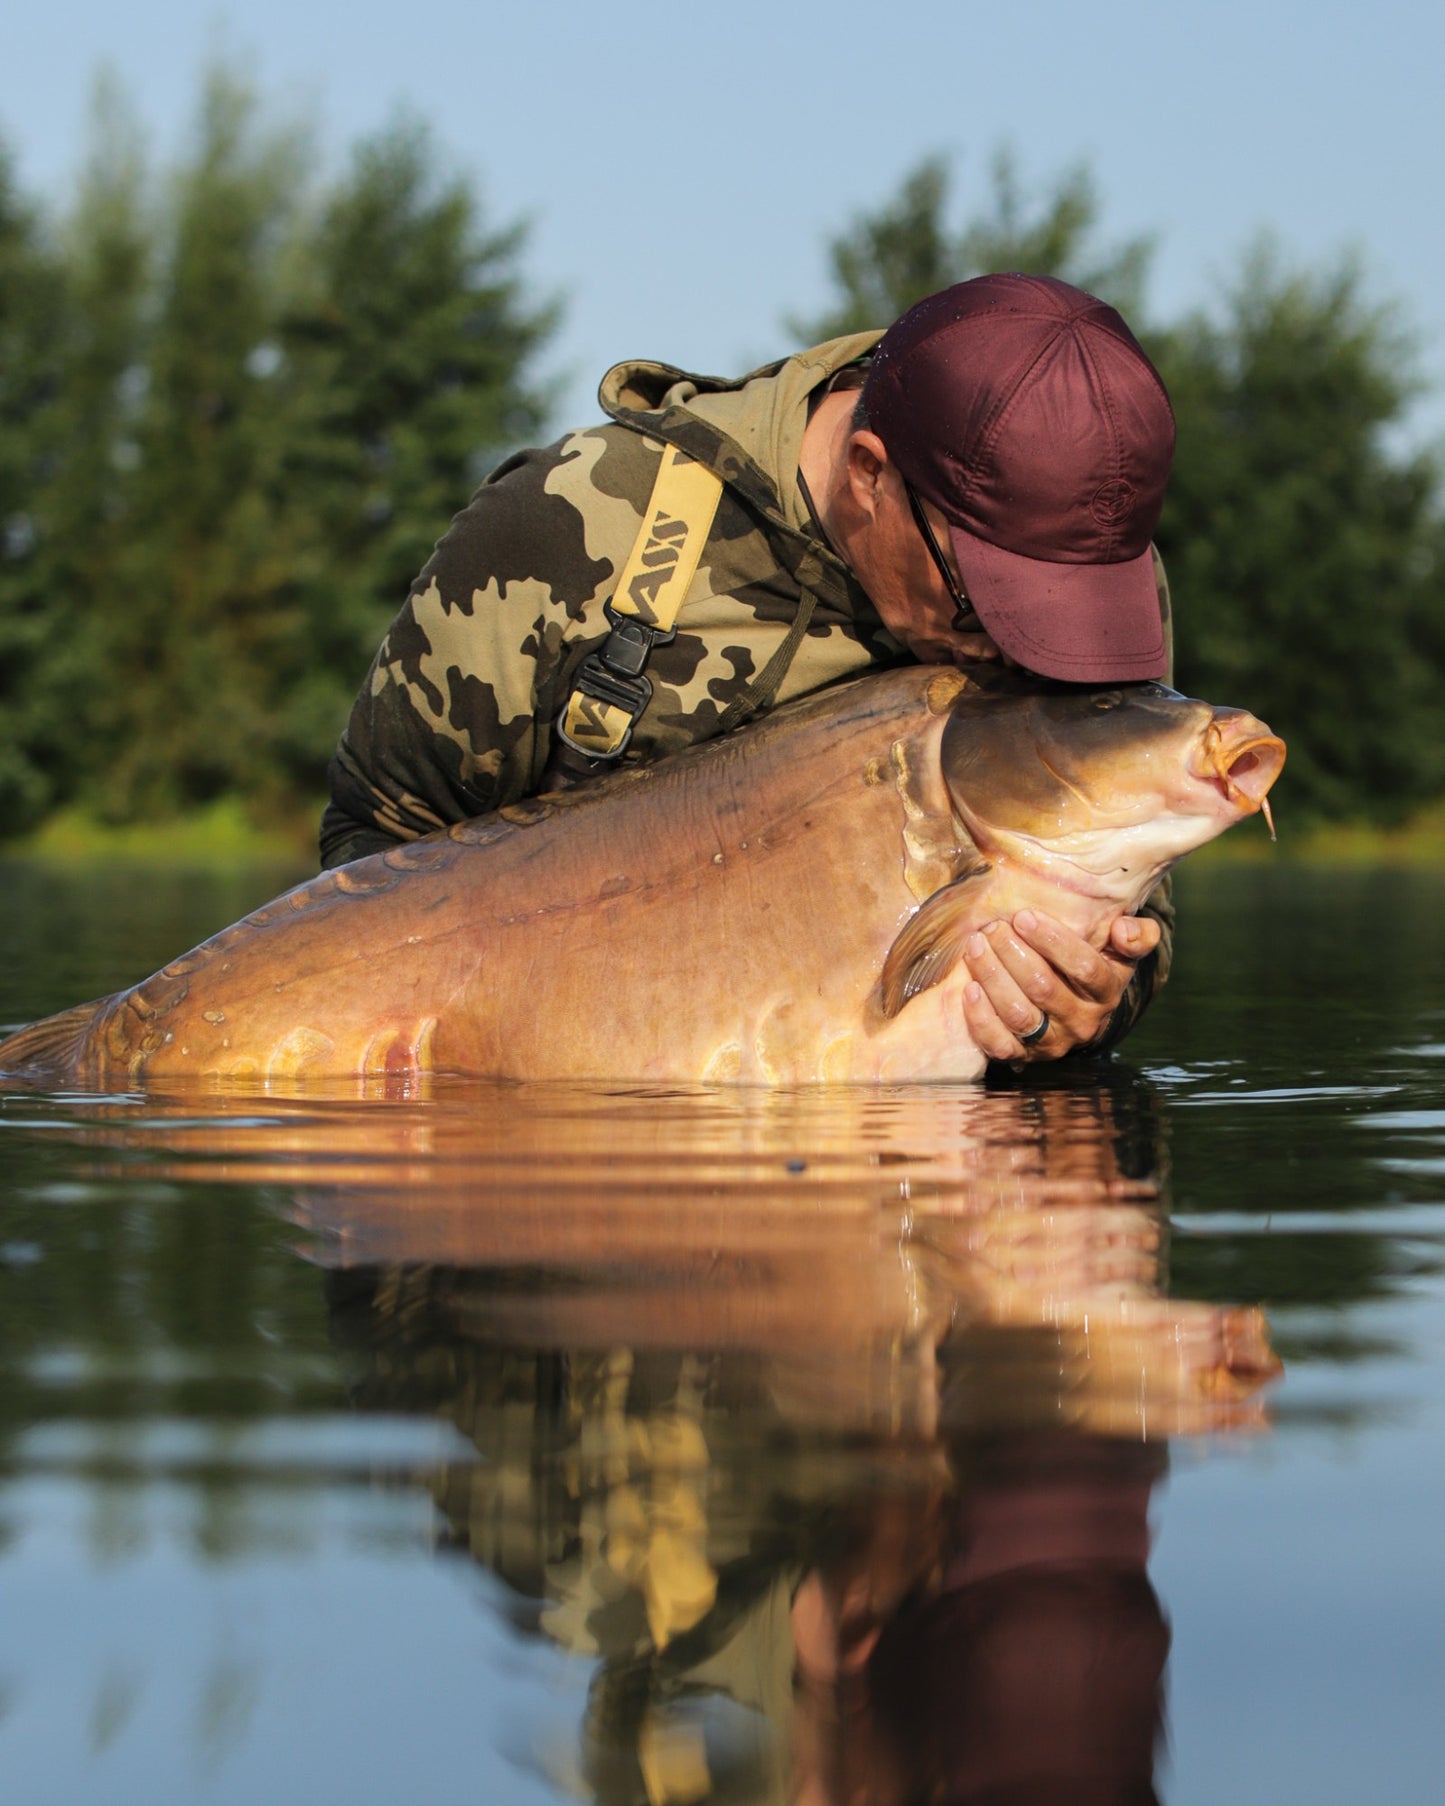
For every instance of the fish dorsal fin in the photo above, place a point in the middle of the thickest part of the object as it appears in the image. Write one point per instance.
(929, 947)
(51, 1046)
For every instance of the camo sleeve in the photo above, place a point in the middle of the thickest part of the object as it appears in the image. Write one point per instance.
(454, 716)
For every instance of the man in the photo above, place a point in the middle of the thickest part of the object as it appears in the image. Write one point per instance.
(979, 483)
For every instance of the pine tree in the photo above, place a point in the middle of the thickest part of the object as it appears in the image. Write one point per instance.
(82, 506)
(198, 599)
(404, 373)
(31, 333)
(235, 413)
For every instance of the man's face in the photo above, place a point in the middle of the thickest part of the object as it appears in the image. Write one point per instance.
(895, 564)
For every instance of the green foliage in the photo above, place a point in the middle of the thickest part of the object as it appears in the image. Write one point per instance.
(31, 285)
(400, 376)
(1306, 551)
(199, 614)
(235, 410)
(907, 249)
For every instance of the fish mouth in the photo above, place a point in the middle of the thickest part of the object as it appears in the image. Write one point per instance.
(1243, 759)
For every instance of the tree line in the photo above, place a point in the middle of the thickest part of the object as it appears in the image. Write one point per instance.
(237, 407)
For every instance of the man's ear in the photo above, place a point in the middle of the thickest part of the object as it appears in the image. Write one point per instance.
(867, 462)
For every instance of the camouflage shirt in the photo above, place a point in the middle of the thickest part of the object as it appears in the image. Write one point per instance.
(458, 712)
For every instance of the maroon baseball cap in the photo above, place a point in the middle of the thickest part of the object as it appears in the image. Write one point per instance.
(1027, 411)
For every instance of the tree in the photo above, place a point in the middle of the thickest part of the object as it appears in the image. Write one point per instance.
(248, 410)
(404, 372)
(195, 609)
(906, 249)
(80, 513)
(1306, 549)
(31, 327)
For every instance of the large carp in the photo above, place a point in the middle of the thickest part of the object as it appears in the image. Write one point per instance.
(785, 904)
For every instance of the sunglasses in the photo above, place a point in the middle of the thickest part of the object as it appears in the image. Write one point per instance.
(965, 618)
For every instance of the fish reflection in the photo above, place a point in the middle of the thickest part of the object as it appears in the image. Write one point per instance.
(833, 1459)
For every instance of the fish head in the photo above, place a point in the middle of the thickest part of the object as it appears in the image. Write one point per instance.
(1105, 789)
(1087, 795)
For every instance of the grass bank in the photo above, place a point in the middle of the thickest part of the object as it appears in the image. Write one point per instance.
(1418, 842)
(223, 834)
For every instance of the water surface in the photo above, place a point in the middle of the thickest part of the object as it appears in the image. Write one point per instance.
(1078, 1438)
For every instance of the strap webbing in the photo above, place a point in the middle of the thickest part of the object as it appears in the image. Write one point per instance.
(760, 695)
(664, 557)
(610, 689)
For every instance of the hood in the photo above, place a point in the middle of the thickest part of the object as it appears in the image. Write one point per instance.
(748, 429)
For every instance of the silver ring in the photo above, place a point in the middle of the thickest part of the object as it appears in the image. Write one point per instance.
(1036, 1033)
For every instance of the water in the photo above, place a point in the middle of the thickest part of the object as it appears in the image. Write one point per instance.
(526, 1443)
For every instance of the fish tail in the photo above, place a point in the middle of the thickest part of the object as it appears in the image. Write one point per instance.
(51, 1047)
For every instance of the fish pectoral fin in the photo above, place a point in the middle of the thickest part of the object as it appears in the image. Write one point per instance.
(930, 945)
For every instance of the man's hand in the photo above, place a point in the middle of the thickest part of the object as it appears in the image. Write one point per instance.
(1032, 967)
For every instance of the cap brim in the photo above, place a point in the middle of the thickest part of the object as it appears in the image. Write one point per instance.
(1082, 623)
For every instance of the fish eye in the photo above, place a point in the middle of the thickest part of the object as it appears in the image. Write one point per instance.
(1102, 700)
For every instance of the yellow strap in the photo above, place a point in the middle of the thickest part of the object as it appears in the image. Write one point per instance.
(665, 554)
(598, 729)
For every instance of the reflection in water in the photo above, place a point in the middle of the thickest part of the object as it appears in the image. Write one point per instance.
(953, 1606)
(1024, 1659)
(824, 1425)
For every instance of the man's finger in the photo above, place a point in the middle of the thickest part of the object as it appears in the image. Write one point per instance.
(1100, 977)
(991, 1035)
(1014, 1003)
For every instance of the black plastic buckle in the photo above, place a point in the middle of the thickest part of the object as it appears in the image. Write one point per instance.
(613, 674)
(628, 647)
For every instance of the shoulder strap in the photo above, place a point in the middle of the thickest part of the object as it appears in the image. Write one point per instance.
(611, 689)
(761, 694)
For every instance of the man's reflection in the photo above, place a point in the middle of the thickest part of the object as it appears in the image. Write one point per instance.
(840, 1505)
(1026, 1664)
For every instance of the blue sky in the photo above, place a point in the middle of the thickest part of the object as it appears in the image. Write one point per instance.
(684, 167)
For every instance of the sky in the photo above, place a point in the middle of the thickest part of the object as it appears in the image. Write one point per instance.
(683, 168)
